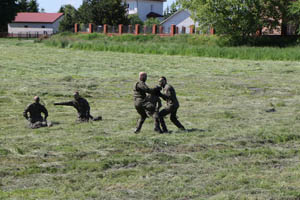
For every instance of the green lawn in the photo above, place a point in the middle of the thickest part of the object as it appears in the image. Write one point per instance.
(234, 148)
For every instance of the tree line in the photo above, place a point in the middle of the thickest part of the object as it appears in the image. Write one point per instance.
(238, 19)
(241, 19)
(99, 12)
(111, 12)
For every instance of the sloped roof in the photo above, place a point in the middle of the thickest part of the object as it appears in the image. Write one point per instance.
(153, 14)
(37, 17)
(176, 13)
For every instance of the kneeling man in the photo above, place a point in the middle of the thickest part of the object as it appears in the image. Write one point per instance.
(35, 109)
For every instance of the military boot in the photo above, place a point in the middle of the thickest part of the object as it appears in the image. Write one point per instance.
(139, 126)
(177, 123)
(157, 127)
(163, 125)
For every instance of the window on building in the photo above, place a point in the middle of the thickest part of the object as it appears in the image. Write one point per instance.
(131, 6)
(43, 26)
(151, 7)
(25, 26)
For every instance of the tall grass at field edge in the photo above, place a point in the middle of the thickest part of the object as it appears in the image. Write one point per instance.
(185, 45)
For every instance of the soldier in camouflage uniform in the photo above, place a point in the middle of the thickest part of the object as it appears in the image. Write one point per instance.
(153, 106)
(35, 109)
(82, 106)
(140, 102)
(169, 95)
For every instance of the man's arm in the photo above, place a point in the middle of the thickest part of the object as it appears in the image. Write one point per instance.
(144, 87)
(25, 112)
(165, 96)
(45, 111)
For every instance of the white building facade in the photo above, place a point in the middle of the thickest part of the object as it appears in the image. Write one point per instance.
(146, 8)
(181, 18)
(35, 23)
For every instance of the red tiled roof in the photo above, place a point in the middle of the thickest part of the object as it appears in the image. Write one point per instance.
(37, 17)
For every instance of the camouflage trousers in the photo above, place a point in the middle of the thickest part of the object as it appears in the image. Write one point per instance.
(38, 124)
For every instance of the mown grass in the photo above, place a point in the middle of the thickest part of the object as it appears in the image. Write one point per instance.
(185, 45)
(234, 148)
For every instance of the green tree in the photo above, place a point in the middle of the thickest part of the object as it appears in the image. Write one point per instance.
(84, 12)
(238, 18)
(175, 6)
(151, 21)
(8, 11)
(33, 6)
(134, 19)
(28, 6)
(70, 17)
(294, 14)
(100, 12)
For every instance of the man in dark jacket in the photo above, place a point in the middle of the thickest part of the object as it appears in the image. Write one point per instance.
(169, 95)
(82, 106)
(140, 102)
(35, 109)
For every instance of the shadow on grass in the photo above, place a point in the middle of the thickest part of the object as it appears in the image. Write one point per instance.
(54, 123)
(189, 130)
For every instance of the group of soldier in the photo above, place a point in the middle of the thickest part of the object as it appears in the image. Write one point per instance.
(35, 110)
(146, 101)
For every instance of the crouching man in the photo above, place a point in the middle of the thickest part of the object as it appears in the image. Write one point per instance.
(82, 106)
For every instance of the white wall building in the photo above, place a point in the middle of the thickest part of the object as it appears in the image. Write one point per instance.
(35, 23)
(181, 18)
(146, 8)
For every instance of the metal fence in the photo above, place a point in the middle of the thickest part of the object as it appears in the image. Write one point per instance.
(25, 35)
(129, 29)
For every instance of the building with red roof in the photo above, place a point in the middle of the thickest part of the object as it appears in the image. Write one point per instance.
(35, 23)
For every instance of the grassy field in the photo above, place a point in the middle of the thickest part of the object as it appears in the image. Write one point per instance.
(234, 149)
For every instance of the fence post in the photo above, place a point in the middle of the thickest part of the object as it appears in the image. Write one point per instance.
(76, 28)
(129, 28)
(91, 28)
(212, 31)
(154, 27)
(105, 28)
(120, 29)
(161, 29)
(173, 30)
(258, 32)
(183, 30)
(191, 29)
(177, 30)
(137, 26)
